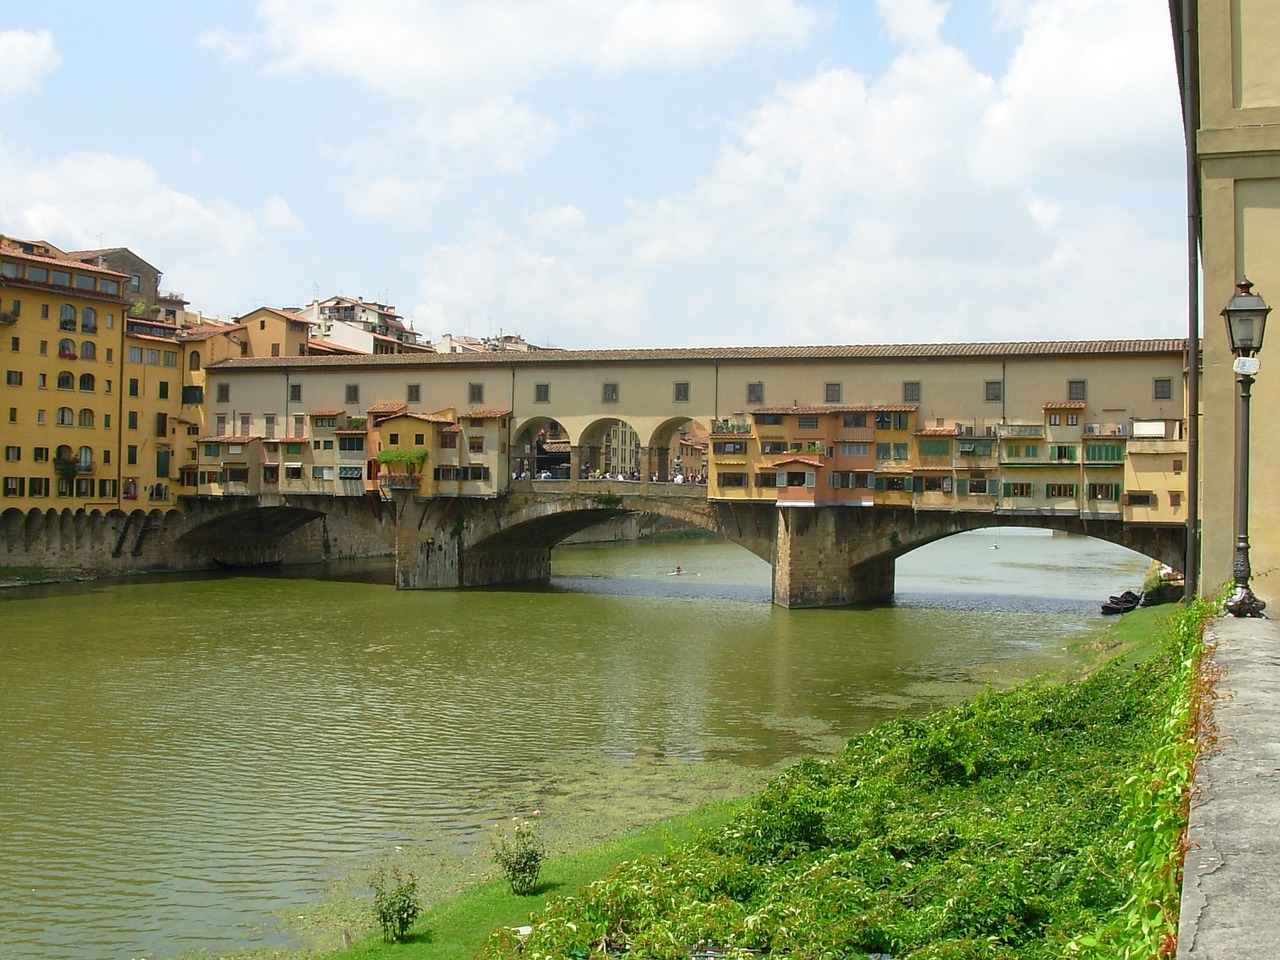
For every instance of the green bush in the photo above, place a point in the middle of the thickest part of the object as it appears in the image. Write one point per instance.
(1029, 823)
(395, 902)
(519, 855)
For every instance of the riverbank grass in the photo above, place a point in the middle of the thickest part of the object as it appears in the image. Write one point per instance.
(456, 928)
(1040, 821)
(1032, 823)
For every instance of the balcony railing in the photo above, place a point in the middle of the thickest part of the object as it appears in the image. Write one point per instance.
(1021, 430)
(401, 481)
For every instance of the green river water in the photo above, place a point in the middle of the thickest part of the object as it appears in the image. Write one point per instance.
(186, 761)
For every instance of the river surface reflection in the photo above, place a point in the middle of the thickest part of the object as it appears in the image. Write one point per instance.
(184, 758)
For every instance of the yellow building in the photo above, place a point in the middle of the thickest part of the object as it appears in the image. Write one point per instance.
(1238, 151)
(62, 323)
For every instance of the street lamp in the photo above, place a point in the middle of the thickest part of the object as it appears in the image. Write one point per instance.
(1246, 316)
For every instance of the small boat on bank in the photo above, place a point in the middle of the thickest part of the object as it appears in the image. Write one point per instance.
(1122, 603)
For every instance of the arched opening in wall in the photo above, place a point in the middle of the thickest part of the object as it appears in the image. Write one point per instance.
(610, 449)
(540, 451)
(678, 451)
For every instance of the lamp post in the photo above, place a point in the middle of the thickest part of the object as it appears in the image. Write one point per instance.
(1246, 316)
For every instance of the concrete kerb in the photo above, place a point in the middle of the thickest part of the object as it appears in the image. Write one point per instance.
(1231, 872)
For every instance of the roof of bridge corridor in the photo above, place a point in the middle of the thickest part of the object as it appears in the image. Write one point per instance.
(885, 351)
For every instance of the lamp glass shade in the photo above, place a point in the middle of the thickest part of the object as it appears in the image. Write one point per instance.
(1246, 317)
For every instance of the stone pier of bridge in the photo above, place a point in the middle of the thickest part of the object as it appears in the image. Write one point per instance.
(821, 556)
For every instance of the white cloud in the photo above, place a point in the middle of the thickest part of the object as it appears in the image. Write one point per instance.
(913, 23)
(439, 51)
(277, 216)
(27, 59)
(465, 70)
(847, 208)
(86, 200)
(498, 282)
(230, 45)
(1067, 106)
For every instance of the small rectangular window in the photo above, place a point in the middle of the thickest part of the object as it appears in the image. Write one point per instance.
(351, 393)
(295, 393)
(807, 422)
(475, 444)
(681, 391)
(164, 389)
(223, 393)
(542, 393)
(755, 392)
(911, 391)
(993, 391)
(609, 393)
(413, 393)
(475, 393)
(831, 393)
(1163, 388)
(1075, 390)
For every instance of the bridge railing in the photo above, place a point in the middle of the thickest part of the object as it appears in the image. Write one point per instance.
(621, 488)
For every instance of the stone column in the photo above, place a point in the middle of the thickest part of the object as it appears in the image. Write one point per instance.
(575, 465)
(819, 563)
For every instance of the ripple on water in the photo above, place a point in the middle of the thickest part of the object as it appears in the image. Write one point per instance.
(215, 749)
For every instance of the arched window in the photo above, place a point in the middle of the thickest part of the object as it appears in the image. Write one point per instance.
(88, 320)
(67, 348)
(62, 453)
(85, 457)
(86, 417)
(193, 362)
(66, 380)
(66, 317)
(66, 418)
(86, 382)
(88, 350)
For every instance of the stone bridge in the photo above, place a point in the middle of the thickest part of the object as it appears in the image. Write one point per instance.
(821, 556)
(198, 533)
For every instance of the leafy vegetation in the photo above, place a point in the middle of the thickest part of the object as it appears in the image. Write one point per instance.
(519, 855)
(413, 459)
(1031, 823)
(395, 902)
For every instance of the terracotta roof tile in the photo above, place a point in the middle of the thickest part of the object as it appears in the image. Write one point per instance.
(387, 406)
(807, 461)
(425, 417)
(73, 264)
(840, 408)
(482, 414)
(1065, 405)
(226, 439)
(936, 432)
(894, 352)
(326, 413)
(207, 331)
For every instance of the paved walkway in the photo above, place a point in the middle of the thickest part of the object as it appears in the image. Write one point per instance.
(1231, 882)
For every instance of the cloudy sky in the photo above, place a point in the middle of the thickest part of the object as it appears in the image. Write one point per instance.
(619, 173)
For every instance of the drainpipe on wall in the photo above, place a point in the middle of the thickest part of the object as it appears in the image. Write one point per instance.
(1184, 15)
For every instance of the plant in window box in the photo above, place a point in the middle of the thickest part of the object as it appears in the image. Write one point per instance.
(356, 423)
(404, 467)
(66, 469)
(7, 317)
